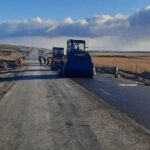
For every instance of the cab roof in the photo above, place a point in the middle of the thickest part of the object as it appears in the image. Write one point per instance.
(78, 41)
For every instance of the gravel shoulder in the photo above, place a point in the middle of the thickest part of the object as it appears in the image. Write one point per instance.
(5, 86)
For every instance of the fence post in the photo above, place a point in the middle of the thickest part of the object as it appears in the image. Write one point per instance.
(116, 72)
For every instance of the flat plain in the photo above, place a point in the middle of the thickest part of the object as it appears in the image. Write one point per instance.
(134, 62)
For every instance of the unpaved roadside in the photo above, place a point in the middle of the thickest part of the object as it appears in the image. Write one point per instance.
(122, 75)
(5, 86)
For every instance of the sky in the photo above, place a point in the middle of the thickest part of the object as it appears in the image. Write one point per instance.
(105, 25)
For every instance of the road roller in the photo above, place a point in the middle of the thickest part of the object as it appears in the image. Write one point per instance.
(57, 58)
(78, 62)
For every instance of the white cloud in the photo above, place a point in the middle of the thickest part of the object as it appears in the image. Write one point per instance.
(38, 20)
(82, 22)
(68, 21)
(103, 31)
(147, 7)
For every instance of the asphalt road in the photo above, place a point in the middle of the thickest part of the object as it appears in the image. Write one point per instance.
(44, 112)
(129, 97)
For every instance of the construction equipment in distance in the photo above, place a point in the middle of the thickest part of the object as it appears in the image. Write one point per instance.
(57, 58)
(78, 63)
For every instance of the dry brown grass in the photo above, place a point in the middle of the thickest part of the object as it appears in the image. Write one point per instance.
(134, 62)
(8, 55)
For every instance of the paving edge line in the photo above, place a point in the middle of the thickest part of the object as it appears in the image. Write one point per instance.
(7, 90)
(136, 124)
(8, 87)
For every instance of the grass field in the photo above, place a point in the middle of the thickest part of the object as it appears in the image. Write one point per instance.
(10, 52)
(8, 55)
(134, 62)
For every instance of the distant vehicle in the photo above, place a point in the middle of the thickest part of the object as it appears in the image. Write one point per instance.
(24, 52)
(78, 62)
(57, 58)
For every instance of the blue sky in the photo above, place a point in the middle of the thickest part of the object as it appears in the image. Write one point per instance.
(105, 24)
(59, 9)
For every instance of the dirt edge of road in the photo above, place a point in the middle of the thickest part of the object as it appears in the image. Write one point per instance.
(126, 76)
(7, 86)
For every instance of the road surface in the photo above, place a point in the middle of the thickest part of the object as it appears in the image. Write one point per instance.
(44, 112)
(127, 96)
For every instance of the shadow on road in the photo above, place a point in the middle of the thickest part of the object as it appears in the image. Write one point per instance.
(30, 77)
(19, 71)
(33, 64)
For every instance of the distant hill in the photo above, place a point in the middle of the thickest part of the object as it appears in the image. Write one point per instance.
(125, 51)
(9, 47)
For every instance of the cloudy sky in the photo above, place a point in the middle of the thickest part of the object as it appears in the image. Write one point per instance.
(110, 25)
